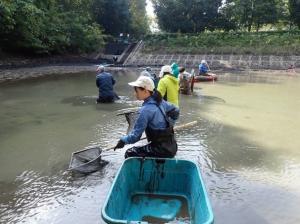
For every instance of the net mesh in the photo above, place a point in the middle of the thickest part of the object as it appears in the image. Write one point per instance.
(131, 118)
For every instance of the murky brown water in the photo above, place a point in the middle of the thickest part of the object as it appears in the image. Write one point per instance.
(246, 144)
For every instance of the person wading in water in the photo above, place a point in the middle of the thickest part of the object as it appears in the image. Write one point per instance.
(156, 117)
(105, 82)
(168, 85)
(185, 81)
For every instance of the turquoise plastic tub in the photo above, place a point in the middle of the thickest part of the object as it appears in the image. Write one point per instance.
(157, 191)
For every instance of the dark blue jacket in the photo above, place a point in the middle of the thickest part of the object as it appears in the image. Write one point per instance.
(150, 116)
(105, 83)
(203, 68)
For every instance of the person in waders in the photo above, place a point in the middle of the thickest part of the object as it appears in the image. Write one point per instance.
(185, 81)
(105, 83)
(148, 72)
(168, 85)
(156, 117)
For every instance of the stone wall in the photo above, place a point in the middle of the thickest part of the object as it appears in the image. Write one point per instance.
(215, 61)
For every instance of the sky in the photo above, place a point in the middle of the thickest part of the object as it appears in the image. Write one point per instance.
(149, 8)
(151, 15)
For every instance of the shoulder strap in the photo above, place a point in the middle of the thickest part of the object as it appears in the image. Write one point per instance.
(165, 97)
(164, 114)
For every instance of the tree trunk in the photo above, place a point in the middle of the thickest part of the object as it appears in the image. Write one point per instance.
(249, 27)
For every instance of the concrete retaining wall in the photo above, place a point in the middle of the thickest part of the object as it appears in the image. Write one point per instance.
(216, 61)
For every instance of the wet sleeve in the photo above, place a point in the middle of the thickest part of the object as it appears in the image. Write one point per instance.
(138, 129)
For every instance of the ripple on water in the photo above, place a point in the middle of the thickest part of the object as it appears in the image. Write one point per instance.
(246, 182)
(31, 192)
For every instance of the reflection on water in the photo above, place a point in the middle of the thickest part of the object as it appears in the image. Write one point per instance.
(91, 100)
(246, 144)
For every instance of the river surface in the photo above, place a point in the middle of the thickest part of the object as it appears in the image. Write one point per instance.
(246, 143)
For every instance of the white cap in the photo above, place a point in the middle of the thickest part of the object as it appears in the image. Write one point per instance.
(144, 82)
(165, 68)
(100, 68)
(203, 62)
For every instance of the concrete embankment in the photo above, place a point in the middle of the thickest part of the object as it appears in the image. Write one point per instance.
(216, 61)
(140, 59)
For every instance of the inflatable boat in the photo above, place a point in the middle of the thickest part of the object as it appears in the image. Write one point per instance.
(205, 78)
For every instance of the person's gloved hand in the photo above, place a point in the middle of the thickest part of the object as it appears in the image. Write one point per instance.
(172, 113)
(119, 145)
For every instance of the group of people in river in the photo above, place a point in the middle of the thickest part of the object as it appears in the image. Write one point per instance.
(159, 111)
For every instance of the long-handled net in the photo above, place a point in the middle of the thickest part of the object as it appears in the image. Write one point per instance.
(89, 160)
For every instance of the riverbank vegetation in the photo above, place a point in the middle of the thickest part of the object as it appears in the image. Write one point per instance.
(227, 27)
(51, 27)
(194, 16)
(255, 43)
(64, 26)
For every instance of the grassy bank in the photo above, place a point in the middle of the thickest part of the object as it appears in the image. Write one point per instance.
(260, 43)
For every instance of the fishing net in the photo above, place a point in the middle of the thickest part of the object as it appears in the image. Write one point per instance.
(86, 161)
(89, 160)
(131, 115)
(131, 118)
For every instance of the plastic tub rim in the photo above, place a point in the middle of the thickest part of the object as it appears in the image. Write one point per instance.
(106, 218)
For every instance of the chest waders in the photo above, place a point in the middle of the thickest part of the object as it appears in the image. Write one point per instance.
(163, 140)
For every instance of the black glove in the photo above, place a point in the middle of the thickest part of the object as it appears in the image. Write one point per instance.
(172, 114)
(119, 145)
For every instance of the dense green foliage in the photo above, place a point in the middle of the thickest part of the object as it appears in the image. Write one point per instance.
(186, 16)
(139, 22)
(77, 26)
(67, 26)
(47, 27)
(247, 14)
(294, 9)
(192, 16)
(113, 15)
(121, 16)
(190, 22)
(257, 43)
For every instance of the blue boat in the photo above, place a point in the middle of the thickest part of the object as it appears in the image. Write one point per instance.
(157, 191)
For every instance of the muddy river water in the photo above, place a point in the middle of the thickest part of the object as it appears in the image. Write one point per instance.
(246, 143)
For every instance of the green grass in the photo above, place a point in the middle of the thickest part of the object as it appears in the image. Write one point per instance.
(261, 43)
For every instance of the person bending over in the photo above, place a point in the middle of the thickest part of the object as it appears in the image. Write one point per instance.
(185, 81)
(105, 82)
(156, 117)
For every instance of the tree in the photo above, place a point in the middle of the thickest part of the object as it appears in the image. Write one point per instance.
(253, 13)
(139, 22)
(46, 27)
(187, 16)
(265, 12)
(227, 17)
(59, 26)
(294, 9)
(24, 23)
(113, 15)
(7, 21)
